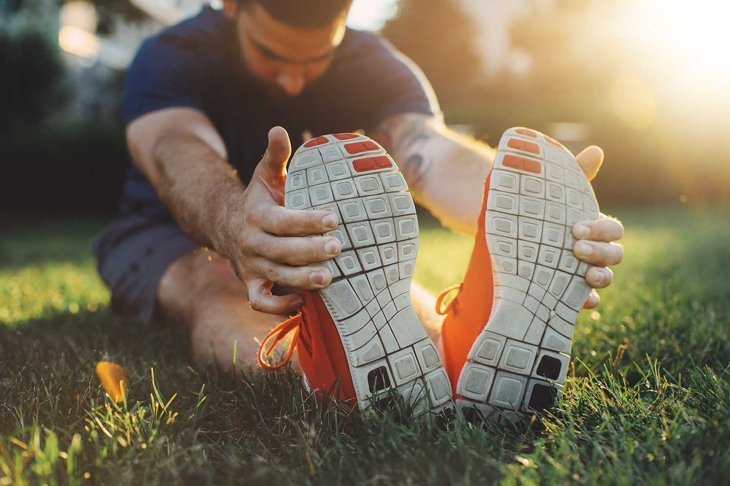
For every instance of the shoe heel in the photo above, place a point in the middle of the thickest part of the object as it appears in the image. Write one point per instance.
(537, 193)
(369, 299)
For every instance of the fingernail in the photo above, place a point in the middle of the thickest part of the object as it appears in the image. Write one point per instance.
(581, 231)
(317, 278)
(332, 247)
(330, 220)
(583, 249)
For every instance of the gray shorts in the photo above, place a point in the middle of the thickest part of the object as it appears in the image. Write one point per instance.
(132, 254)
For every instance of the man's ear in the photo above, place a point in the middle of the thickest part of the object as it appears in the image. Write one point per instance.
(230, 7)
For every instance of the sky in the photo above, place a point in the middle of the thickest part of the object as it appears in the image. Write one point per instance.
(371, 14)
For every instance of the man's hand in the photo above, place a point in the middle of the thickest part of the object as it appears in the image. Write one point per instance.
(596, 239)
(269, 244)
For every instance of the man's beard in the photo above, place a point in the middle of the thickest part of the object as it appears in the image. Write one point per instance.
(272, 90)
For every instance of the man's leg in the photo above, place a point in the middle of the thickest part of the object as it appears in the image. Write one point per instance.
(153, 269)
(424, 304)
(201, 291)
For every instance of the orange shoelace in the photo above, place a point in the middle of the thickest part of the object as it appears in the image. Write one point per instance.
(276, 335)
(442, 309)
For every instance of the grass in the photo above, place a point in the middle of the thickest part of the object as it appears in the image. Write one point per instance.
(648, 401)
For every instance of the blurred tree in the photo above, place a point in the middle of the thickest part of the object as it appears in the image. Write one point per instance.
(32, 86)
(10, 6)
(572, 58)
(439, 37)
(108, 10)
(575, 60)
(111, 10)
(585, 69)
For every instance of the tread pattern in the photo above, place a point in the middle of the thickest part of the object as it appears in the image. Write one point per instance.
(369, 298)
(519, 361)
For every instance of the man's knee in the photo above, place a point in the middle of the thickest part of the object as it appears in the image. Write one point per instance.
(195, 278)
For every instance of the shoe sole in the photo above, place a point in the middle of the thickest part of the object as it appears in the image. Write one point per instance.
(369, 298)
(537, 192)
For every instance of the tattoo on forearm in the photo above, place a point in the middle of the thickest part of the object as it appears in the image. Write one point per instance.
(407, 139)
(414, 169)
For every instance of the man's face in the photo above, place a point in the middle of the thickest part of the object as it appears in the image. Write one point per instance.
(285, 58)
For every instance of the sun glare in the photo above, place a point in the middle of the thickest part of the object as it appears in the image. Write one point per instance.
(677, 65)
(371, 14)
(76, 35)
(693, 36)
(78, 42)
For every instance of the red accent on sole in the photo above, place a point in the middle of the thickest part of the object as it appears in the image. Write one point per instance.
(345, 136)
(323, 358)
(526, 132)
(359, 147)
(372, 163)
(522, 163)
(523, 145)
(316, 141)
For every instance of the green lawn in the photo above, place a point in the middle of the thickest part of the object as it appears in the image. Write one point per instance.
(647, 403)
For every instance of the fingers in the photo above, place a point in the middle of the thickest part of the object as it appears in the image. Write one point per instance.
(281, 221)
(263, 274)
(277, 153)
(298, 251)
(596, 239)
(598, 253)
(590, 160)
(261, 299)
(304, 278)
(592, 301)
(599, 277)
(605, 229)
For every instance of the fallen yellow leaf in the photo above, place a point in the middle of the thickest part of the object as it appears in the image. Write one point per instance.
(113, 379)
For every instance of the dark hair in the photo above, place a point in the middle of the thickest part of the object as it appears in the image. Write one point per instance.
(302, 13)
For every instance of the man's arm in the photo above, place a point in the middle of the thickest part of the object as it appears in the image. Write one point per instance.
(184, 158)
(444, 170)
(446, 173)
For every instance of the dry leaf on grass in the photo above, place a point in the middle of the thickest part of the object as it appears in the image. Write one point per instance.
(113, 379)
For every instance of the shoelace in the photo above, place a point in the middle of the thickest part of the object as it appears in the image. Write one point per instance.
(442, 309)
(276, 335)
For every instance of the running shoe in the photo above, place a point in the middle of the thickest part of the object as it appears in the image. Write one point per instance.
(359, 339)
(507, 334)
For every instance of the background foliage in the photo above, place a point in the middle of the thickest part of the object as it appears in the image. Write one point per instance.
(575, 70)
(32, 85)
(578, 70)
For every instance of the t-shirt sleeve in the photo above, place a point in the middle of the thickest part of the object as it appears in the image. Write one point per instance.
(162, 75)
(390, 84)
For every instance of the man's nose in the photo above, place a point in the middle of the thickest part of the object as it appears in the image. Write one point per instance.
(291, 80)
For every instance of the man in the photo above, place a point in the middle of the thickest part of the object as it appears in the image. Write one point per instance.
(203, 237)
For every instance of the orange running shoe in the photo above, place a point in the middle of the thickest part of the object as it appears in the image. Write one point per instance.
(359, 339)
(507, 334)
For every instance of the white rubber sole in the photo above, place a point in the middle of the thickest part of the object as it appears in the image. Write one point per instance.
(519, 362)
(369, 298)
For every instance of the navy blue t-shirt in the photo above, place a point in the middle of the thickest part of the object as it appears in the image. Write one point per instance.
(198, 64)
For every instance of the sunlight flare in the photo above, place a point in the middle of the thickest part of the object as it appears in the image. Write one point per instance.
(692, 36)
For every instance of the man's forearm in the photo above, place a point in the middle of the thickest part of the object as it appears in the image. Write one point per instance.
(199, 188)
(445, 170)
(453, 170)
